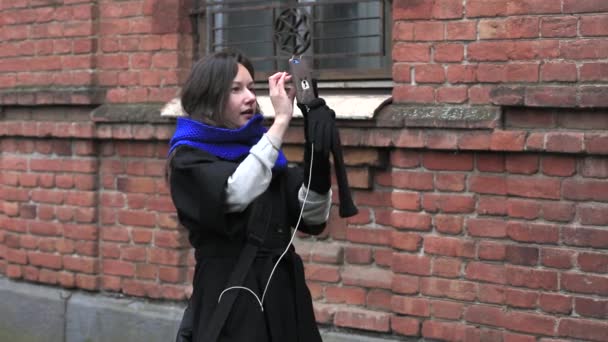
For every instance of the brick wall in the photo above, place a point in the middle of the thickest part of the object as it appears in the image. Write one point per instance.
(485, 220)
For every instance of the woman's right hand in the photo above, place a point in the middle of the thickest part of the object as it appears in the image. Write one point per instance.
(282, 100)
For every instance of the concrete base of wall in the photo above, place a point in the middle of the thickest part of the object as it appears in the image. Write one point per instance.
(38, 313)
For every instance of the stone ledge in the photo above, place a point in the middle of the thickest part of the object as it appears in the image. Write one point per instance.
(52, 96)
(519, 140)
(397, 115)
(130, 113)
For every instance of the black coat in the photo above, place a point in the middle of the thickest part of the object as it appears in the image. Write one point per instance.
(197, 182)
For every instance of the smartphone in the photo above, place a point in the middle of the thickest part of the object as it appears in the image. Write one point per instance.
(301, 74)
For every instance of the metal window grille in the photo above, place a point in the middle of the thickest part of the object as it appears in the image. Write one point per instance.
(346, 40)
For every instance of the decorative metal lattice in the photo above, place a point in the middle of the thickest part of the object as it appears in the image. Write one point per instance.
(292, 31)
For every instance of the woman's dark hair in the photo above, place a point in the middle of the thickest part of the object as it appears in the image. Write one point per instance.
(206, 91)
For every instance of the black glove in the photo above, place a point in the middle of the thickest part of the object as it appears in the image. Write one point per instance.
(319, 125)
(320, 182)
(319, 122)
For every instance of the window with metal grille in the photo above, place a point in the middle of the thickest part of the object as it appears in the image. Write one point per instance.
(346, 40)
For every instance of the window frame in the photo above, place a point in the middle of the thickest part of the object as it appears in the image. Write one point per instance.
(328, 78)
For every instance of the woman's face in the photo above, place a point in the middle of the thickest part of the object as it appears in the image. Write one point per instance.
(241, 102)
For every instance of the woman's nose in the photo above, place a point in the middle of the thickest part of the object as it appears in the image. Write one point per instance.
(250, 96)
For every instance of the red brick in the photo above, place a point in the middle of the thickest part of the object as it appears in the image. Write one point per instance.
(585, 237)
(487, 315)
(488, 51)
(403, 31)
(450, 52)
(585, 190)
(594, 25)
(584, 49)
(119, 268)
(486, 228)
(405, 159)
(522, 163)
(530, 323)
(583, 329)
(461, 30)
(404, 200)
(488, 250)
(405, 284)
(444, 330)
(485, 184)
(447, 161)
(583, 283)
(558, 211)
(593, 262)
(405, 220)
(411, 52)
(405, 325)
(557, 258)
(533, 232)
(411, 264)
(595, 167)
(411, 306)
(358, 255)
(486, 272)
(533, 7)
(555, 303)
(521, 299)
(532, 187)
(403, 9)
(367, 277)
(461, 73)
(454, 289)
(362, 319)
(489, 293)
(590, 307)
(511, 337)
(554, 165)
(412, 180)
(401, 72)
(531, 278)
(559, 26)
(441, 141)
(447, 267)
(594, 72)
(593, 214)
(346, 295)
(370, 236)
(490, 162)
(522, 255)
(449, 246)
(526, 209)
(413, 94)
(429, 73)
(80, 264)
(558, 72)
(406, 241)
(379, 299)
(596, 143)
(448, 224)
(564, 142)
(448, 203)
(508, 141)
(509, 28)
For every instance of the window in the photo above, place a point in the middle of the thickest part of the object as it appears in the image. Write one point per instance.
(346, 40)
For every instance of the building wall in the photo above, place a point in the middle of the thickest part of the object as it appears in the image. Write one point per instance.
(482, 188)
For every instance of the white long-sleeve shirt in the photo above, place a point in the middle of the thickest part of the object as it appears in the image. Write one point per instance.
(252, 177)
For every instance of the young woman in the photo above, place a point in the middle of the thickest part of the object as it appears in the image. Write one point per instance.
(239, 200)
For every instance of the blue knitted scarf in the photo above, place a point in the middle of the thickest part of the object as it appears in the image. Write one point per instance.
(224, 143)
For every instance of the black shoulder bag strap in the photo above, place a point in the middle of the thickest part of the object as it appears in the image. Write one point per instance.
(257, 224)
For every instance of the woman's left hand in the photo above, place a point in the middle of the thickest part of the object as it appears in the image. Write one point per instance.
(282, 99)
